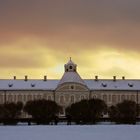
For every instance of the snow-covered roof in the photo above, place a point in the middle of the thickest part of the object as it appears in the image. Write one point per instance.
(28, 85)
(69, 77)
(113, 85)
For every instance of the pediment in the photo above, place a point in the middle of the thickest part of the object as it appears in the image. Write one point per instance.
(72, 87)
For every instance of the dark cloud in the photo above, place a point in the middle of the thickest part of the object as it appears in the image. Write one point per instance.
(65, 22)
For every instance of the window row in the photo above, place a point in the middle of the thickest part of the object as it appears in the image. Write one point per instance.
(71, 99)
(23, 98)
(118, 98)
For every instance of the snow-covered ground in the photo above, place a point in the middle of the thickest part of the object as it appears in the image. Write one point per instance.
(73, 132)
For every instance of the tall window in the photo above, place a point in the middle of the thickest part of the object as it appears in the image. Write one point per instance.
(29, 97)
(119, 99)
(82, 97)
(109, 98)
(122, 98)
(114, 98)
(24, 98)
(132, 97)
(62, 99)
(19, 97)
(1, 99)
(72, 99)
(9, 98)
(127, 97)
(38, 97)
(49, 98)
(105, 98)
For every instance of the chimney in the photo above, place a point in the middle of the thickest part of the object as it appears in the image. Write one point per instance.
(45, 78)
(96, 78)
(123, 77)
(114, 78)
(26, 78)
(15, 78)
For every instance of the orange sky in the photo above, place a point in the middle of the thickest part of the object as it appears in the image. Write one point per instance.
(38, 37)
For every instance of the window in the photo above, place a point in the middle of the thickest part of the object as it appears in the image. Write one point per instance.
(105, 98)
(62, 99)
(94, 96)
(38, 97)
(119, 99)
(132, 97)
(1, 99)
(114, 98)
(82, 97)
(19, 97)
(15, 98)
(122, 98)
(109, 98)
(45, 96)
(24, 98)
(9, 98)
(127, 97)
(70, 67)
(29, 97)
(72, 99)
(72, 87)
(49, 98)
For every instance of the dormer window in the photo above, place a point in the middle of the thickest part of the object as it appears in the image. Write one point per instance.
(32, 85)
(10, 85)
(104, 84)
(130, 84)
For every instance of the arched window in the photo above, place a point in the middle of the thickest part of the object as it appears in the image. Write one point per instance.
(127, 97)
(45, 96)
(49, 98)
(82, 97)
(72, 99)
(9, 98)
(132, 97)
(114, 98)
(122, 98)
(20, 98)
(29, 97)
(109, 98)
(62, 99)
(15, 98)
(94, 97)
(38, 97)
(24, 98)
(105, 98)
(119, 98)
(1, 99)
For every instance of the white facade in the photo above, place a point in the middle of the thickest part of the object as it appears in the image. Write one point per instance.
(69, 89)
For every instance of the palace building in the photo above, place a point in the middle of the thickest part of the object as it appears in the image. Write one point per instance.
(69, 89)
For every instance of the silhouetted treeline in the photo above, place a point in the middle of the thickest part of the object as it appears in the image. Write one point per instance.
(86, 111)
(43, 111)
(125, 112)
(82, 112)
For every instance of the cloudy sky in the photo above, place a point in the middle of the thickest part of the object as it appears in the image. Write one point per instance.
(37, 37)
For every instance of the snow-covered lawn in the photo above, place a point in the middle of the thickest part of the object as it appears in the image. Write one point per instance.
(73, 132)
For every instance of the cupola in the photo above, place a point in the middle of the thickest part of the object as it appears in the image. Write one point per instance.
(70, 66)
